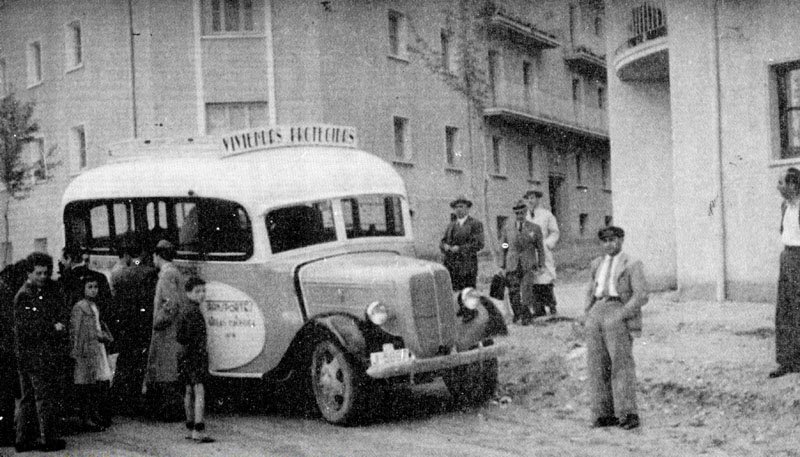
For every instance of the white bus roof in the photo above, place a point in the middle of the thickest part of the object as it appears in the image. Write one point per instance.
(257, 179)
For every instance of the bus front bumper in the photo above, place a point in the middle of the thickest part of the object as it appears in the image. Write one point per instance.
(411, 365)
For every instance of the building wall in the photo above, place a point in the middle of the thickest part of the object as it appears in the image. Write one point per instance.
(331, 65)
(742, 128)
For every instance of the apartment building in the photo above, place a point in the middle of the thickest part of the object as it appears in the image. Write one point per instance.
(702, 99)
(103, 71)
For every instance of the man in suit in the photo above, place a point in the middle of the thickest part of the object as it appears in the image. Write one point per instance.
(544, 297)
(614, 299)
(460, 245)
(523, 260)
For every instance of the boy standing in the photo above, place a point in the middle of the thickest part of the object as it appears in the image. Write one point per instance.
(193, 358)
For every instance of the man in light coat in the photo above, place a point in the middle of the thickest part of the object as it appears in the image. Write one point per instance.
(614, 299)
(544, 297)
(162, 359)
(523, 261)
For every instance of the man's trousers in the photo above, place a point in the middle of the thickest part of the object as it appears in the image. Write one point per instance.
(611, 369)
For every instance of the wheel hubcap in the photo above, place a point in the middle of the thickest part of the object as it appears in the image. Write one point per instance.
(331, 380)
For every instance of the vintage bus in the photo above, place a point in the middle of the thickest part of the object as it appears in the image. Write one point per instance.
(306, 246)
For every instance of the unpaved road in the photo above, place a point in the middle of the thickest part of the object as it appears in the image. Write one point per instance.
(703, 391)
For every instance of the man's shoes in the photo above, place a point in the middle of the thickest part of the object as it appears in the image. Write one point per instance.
(606, 421)
(780, 371)
(630, 422)
(53, 445)
(26, 446)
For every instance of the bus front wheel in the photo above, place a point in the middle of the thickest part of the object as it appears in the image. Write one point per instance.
(337, 384)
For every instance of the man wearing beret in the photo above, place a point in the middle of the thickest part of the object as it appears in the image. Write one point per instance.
(544, 297)
(614, 298)
(524, 259)
(460, 245)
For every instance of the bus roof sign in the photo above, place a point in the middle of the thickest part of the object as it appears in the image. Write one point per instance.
(276, 136)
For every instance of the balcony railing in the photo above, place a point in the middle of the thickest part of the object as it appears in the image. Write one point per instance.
(528, 104)
(520, 30)
(648, 22)
(644, 55)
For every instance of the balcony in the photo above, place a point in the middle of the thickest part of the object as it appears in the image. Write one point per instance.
(518, 31)
(644, 56)
(583, 60)
(526, 104)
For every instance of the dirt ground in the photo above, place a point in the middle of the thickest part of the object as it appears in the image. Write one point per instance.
(703, 390)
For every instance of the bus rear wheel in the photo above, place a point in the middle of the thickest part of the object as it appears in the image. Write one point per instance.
(338, 385)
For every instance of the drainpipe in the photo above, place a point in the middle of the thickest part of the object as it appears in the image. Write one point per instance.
(272, 109)
(133, 69)
(719, 214)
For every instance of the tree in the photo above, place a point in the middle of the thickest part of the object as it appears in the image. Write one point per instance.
(468, 24)
(16, 130)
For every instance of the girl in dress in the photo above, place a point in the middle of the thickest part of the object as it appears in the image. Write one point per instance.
(92, 378)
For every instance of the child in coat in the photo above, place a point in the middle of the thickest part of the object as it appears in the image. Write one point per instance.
(193, 358)
(92, 374)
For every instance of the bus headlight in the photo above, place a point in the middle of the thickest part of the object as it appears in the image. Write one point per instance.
(470, 298)
(377, 313)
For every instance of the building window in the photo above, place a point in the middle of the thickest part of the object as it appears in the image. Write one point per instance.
(446, 52)
(501, 221)
(397, 34)
(530, 157)
(78, 147)
(526, 75)
(599, 28)
(579, 168)
(493, 62)
(40, 245)
(601, 97)
(604, 173)
(576, 90)
(583, 218)
(228, 117)
(788, 85)
(34, 57)
(402, 149)
(451, 145)
(35, 160)
(74, 45)
(498, 161)
(3, 80)
(222, 17)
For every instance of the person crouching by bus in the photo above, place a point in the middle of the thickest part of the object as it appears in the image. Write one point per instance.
(162, 359)
(92, 376)
(614, 300)
(193, 358)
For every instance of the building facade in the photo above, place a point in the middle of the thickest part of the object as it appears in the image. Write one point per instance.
(101, 72)
(702, 126)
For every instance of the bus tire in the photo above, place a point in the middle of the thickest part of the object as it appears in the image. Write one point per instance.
(339, 387)
(472, 384)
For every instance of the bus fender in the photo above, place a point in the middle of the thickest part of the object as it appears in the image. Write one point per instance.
(347, 332)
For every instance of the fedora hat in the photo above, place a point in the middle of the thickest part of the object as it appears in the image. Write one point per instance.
(536, 190)
(519, 204)
(461, 199)
(610, 231)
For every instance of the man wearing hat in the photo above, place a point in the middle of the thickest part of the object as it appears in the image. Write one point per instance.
(162, 358)
(614, 299)
(543, 283)
(460, 245)
(523, 260)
